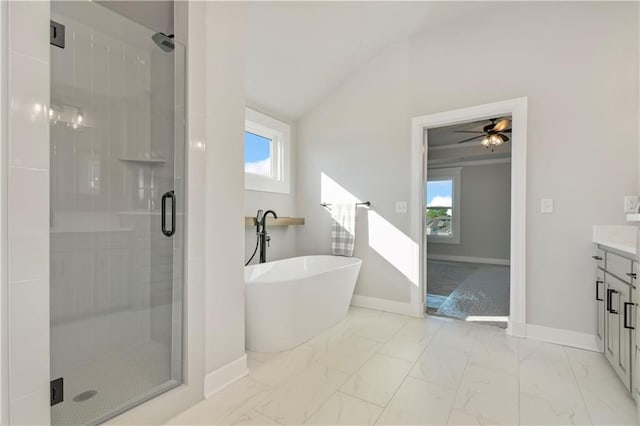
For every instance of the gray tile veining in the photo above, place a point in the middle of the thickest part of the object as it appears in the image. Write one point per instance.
(381, 368)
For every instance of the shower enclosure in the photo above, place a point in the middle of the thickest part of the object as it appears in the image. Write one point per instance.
(117, 231)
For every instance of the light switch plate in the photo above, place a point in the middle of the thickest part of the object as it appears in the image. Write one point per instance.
(401, 206)
(630, 203)
(546, 206)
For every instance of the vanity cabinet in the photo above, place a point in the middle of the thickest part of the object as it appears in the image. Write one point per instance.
(617, 327)
(616, 304)
(600, 306)
(636, 377)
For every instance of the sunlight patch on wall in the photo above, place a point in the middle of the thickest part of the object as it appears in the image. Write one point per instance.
(394, 246)
(387, 240)
(333, 193)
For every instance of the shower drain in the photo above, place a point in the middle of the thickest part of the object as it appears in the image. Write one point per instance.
(83, 396)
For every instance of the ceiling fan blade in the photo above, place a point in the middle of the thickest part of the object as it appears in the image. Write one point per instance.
(467, 131)
(506, 131)
(501, 125)
(470, 139)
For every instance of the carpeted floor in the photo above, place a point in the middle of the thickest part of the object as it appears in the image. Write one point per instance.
(468, 291)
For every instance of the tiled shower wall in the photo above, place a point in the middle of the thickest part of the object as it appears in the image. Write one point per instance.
(28, 213)
(26, 289)
(112, 154)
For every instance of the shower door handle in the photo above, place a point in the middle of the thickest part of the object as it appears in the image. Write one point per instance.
(170, 232)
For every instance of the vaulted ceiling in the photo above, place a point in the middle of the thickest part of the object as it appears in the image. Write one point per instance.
(298, 52)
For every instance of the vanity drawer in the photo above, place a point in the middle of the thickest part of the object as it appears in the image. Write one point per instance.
(598, 257)
(620, 266)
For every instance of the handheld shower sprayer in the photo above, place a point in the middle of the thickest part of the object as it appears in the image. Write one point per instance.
(258, 219)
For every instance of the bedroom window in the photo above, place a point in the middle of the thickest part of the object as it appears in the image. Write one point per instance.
(266, 153)
(443, 206)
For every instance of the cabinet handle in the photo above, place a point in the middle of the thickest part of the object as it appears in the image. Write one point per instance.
(632, 275)
(626, 315)
(597, 257)
(597, 288)
(610, 291)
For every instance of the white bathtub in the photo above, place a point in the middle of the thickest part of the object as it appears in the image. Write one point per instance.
(289, 301)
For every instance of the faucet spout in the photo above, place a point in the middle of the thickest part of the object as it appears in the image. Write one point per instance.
(264, 237)
(267, 213)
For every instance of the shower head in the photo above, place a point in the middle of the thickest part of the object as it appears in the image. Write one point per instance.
(164, 41)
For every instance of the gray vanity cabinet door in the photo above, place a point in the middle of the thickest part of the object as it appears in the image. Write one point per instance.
(636, 377)
(618, 341)
(599, 296)
(636, 300)
(611, 323)
(624, 358)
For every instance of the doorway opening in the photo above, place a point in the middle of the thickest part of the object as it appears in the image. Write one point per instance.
(424, 162)
(468, 216)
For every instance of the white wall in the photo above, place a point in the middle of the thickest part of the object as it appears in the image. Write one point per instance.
(577, 82)
(485, 213)
(224, 203)
(359, 138)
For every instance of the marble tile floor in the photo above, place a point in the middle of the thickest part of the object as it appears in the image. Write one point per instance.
(381, 368)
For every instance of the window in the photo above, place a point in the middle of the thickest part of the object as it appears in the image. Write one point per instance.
(257, 154)
(266, 153)
(443, 206)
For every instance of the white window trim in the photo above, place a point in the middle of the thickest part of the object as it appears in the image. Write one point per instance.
(280, 135)
(454, 174)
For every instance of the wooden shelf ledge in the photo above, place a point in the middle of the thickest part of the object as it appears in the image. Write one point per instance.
(281, 221)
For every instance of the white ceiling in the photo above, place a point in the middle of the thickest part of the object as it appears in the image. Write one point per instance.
(298, 52)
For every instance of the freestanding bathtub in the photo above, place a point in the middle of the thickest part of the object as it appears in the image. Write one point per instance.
(291, 300)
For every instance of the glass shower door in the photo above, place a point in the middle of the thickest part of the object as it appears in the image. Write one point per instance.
(117, 167)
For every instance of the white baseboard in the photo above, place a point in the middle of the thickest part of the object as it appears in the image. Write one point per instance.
(517, 329)
(530, 331)
(225, 375)
(563, 337)
(387, 305)
(469, 259)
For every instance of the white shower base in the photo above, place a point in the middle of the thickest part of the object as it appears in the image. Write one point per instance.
(120, 379)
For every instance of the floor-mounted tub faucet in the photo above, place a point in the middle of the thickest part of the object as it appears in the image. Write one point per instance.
(264, 237)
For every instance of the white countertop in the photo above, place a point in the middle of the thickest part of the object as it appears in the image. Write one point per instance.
(619, 237)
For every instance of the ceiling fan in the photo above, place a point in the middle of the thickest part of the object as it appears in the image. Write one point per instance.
(493, 133)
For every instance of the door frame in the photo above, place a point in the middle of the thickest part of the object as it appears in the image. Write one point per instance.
(517, 108)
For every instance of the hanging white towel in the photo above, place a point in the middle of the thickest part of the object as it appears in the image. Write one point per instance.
(343, 229)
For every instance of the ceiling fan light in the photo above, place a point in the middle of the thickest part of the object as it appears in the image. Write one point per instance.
(485, 141)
